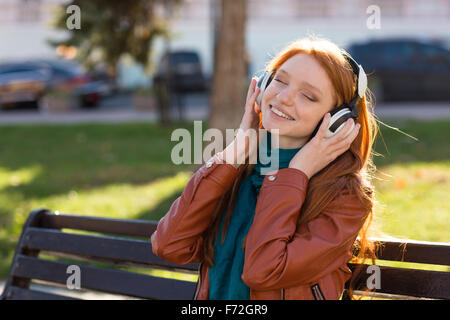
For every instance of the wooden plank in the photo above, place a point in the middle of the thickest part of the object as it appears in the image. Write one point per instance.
(105, 280)
(32, 221)
(407, 282)
(112, 249)
(380, 296)
(17, 293)
(386, 296)
(395, 250)
(415, 251)
(125, 227)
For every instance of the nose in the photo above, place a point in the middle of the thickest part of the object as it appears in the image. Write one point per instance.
(286, 96)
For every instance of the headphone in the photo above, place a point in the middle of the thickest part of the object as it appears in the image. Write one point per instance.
(340, 114)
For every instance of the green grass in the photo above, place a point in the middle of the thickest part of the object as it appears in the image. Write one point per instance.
(121, 171)
(125, 171)
(413, 181)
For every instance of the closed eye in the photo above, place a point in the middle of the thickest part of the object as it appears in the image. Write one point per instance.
(306, 96)
(276, 79)
(309, 98)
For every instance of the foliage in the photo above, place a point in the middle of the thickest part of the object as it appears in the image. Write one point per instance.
(111, 29)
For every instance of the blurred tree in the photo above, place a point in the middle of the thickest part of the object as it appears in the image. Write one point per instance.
(230, 78)
(110, 29)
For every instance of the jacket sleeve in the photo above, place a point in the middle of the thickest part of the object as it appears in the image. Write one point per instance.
(178, 235)
(277, 255)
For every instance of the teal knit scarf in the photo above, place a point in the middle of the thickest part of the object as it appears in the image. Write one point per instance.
(225, 282)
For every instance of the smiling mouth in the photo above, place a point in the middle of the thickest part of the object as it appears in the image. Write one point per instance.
(280, 113)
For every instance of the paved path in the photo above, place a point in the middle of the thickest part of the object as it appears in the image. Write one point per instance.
(91, 116)
(424, 111)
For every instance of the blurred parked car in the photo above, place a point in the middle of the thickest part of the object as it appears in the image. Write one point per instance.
(405, 69)
(29, 81)
(21, 83)
(182, 70)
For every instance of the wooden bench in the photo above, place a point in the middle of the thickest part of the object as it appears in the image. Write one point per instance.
(116, 244)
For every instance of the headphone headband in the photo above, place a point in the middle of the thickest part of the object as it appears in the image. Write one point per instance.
(361, 84)
(361, 77)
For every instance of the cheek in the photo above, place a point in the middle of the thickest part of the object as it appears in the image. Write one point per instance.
(307, 119)
(269, 94)
(305, 113)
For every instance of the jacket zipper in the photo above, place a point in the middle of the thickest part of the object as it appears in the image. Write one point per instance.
(283, 294)
(317, 292)
(199, 282)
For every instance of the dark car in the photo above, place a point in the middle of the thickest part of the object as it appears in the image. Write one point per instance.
(29, 81)
(21, 83)
(182, 70)
(405, 69)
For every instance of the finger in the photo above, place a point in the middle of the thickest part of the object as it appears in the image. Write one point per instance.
(346, 143)
(340, 135)
(324, 126)
(253, 97)
(251, 88)
(253, 104)
(352, 136)
(337, 152)
(251, 107)
(256, 93)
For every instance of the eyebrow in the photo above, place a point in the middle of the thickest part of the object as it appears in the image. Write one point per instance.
(303, 82)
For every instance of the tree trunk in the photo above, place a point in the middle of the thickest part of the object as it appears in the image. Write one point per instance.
(230, 83)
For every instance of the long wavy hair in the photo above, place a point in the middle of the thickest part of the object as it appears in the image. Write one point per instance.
(352, 170)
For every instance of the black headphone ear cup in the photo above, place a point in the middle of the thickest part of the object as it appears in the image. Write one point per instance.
(338, 117)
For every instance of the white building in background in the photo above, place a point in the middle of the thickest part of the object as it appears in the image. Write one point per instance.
(25, 26)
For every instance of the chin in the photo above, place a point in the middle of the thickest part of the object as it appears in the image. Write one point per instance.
(292, 133)
(273, 127)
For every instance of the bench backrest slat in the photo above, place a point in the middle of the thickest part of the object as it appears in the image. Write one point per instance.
(132, 228)
(17, 293)
(407, 282)
(127, 242)
(105, 280)
(116, 250)
(416, 251)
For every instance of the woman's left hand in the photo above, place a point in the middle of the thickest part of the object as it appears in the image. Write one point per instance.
(320, 151)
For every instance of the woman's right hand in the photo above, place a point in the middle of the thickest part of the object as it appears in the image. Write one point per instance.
(250, 119)
(245, 142)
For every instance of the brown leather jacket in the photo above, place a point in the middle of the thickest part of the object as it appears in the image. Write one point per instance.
(281, 260)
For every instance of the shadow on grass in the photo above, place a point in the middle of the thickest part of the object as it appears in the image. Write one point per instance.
(84, 157)
(159, 211)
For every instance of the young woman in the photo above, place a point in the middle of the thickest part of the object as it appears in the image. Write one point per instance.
(290, 234)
